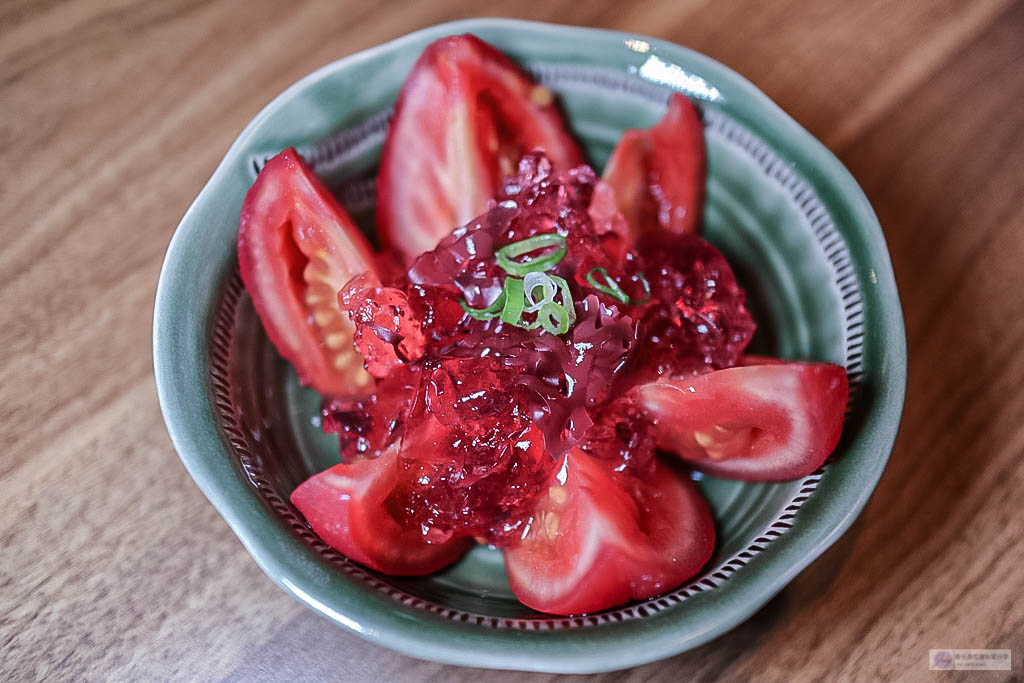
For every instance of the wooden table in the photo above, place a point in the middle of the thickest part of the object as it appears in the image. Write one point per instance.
(114, 114)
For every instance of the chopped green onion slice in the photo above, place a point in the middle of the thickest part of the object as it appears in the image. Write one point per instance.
(530, 325)
(554, 318)
(542, 281)
(612, 288)
(487, 313)
(549, 260)
(567, 302)
(512, 311)
(647, 291)
(536, 292)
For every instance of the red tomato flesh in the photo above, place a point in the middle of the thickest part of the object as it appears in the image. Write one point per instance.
(599, 539)
(464, 117)
(658, 174)
(767, 422)
(347, 506)
(296, 249)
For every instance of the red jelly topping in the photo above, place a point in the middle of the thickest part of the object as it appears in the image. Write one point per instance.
(696, 315)
(472, 460)
(485, 409)
(622, 438)
(387, 333)
(367, 425)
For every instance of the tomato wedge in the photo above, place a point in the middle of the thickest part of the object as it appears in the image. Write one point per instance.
(768, 422)
(465, 116)
(600, 539)
(346, 506)
(296, 249)
(658, 174)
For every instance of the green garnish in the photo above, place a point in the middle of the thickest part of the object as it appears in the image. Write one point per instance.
(487, 313)
(515, 301)
(647, 290)
(567, 302)
(536, 292)
(612, 288)
(542, 281)
(554, 318)
(549, 260)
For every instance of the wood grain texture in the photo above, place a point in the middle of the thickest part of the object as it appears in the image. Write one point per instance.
(114, 113)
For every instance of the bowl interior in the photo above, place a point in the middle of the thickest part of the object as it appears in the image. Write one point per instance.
(751, 216)
(792, 222)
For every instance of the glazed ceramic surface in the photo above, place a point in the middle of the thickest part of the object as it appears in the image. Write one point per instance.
(797, 229)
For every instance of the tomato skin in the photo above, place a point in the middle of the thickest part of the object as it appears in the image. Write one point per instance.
(659, 174)
(773, 421)
(464, 117)
(346, 506)
(296, 249)
(601, 539)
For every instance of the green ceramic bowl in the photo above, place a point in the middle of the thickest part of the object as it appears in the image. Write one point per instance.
(797, 228)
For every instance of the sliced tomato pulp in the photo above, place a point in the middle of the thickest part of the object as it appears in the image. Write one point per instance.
(768, 422)
(464, 117)
(296, 249)
(347, 507)
(658, 174)
(600, 539)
